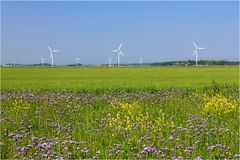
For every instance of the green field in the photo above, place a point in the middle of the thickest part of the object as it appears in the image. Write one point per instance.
(119, 113)
(109, 79)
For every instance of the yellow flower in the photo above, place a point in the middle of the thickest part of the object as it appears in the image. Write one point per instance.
(219, 104)
(172, 124)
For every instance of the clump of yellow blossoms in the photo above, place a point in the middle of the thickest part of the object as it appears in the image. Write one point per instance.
(124, 116)
(19, 105)
(219, 104)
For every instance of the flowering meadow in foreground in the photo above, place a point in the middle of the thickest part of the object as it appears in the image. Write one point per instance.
(170, 124)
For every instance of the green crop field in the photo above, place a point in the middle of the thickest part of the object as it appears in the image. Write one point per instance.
(100, 78)
(120, 113)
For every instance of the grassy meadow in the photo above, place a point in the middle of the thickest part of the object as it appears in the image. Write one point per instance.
(120, 113)
(91, 79)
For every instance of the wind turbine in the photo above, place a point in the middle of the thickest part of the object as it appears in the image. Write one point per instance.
(110, 62)
(14, 63)
(119, 52)
(140, 61)
(43, 60)
(77, 59)
(196, 51)
(52, 52)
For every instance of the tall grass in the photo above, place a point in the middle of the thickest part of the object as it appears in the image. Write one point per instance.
(169, 124)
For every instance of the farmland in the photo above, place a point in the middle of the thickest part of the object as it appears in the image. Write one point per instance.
(116, 113)
(93, 79)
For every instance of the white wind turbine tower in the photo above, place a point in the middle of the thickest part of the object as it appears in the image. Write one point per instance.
(42, 61)
(110, 62)
(118, 51)
(196, 51)
(14, 63)
(52, 52)
(140, 61)
(77, 59)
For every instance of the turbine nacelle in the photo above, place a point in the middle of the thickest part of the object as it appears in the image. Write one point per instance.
(197, 48)
(53, 51)
(118, 51)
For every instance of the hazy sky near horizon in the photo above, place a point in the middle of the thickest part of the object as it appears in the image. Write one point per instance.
(157, 31)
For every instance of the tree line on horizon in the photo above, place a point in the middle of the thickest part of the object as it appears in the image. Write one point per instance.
(167, 63)
(192, 63)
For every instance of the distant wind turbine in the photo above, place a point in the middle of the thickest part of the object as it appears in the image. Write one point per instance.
(119, 52)
(110, 62)
(14, 63)
(42, 61)
(140, 61)
(52, 52)
(197, 51)
(77, 59)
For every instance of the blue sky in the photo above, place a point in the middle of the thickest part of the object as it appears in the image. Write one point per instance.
(157, 31)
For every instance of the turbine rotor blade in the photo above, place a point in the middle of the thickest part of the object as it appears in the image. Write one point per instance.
(120, 46)
(49, 49)
(194, 53)
(121, 53)
(195, 44)
(51, 55)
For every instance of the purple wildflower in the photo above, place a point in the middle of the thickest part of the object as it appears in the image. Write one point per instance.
(48, 146)
(198, 158)
(211, 148)
(147, 149)
(237, 155)
(43, 138)
(218, 145)
(72, 142)
(170, 137)
(34, 138)
(21, 150)
(85, 150)
(18, 136)
(173, 131)
(155, 151)
(117, 145)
